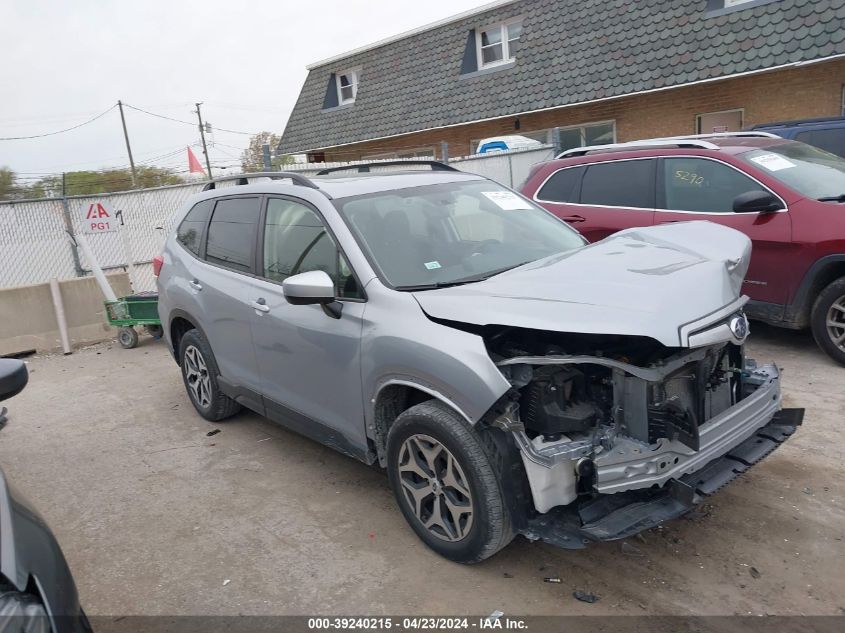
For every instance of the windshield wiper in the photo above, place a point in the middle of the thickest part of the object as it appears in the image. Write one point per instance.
(436, 285)
(839, 198)
(461, 282)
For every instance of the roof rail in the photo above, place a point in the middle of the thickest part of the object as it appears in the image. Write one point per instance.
(363, 168)
(697, 141)
(646, 144)
(243, 179)
(746, 133)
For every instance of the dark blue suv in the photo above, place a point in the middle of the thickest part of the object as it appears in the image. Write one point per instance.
(827, 133)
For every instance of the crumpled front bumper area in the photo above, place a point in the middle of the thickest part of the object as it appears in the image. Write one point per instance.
(615, 516)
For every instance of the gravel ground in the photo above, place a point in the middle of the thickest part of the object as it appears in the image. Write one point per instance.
(155, 517)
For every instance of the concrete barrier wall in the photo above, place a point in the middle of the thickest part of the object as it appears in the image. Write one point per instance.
(28, 319)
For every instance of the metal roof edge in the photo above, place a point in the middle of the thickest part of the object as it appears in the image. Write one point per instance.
(420, 29)
(580, 103)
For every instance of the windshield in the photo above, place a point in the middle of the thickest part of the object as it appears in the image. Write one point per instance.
(806, 169)
(451, 233)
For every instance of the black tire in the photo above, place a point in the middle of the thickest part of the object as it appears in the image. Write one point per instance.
(209, 401)
(828, 306)
(127, 337)
(490, 528)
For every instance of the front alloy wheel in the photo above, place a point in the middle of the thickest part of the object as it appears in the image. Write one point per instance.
(436, 487)
(196, 377)
(828, 320)
(836, 323)
(445, 476)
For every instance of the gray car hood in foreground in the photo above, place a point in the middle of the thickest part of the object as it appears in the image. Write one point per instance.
(642, 282)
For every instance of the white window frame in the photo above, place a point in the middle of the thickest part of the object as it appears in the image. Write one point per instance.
(583, 127)
(354, 73)
(506, 52)
(731, 111)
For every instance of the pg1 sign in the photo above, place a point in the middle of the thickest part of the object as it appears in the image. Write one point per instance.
(98, 219)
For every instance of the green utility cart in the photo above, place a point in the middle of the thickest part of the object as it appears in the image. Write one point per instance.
(135, 310)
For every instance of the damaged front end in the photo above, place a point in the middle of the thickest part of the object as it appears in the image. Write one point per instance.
(620, 433)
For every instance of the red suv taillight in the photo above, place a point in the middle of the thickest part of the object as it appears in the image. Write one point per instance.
(158, 262)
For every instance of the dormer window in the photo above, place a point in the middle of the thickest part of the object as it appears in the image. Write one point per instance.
(497, 44)
(347, 86)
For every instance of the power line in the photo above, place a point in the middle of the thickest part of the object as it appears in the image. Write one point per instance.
(169, 118)
(21, 138)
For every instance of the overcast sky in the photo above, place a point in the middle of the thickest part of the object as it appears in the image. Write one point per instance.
(65, 62)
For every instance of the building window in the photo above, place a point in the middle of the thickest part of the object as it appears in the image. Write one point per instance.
(602, 133)
(347, 86)
(497, 44)
(403, 154)
(718, 122)
(584, 135)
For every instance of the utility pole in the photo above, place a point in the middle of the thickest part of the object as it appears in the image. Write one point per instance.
(202, 136)
(128, 148)
(265, 154)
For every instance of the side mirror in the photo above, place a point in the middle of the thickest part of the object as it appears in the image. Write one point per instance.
(312, 288)
(756, 202)
(13, 377)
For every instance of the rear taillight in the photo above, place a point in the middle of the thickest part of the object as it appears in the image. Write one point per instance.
(158, 262)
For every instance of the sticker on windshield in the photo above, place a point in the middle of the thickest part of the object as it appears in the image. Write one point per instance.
(433, 265)
(773, 162)
(507, 200)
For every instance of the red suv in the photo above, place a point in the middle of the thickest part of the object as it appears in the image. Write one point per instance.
(788, 197)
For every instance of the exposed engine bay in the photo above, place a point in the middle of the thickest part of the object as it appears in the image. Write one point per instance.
(598, 413)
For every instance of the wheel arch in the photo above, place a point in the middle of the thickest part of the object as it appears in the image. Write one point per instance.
(821, 274)
(395, 395)
(181, 323)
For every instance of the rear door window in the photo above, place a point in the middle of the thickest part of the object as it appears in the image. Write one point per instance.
(562, 186)
(705, 186)
(832, 140)
(622, 183)
(232, 233)
(190, 231)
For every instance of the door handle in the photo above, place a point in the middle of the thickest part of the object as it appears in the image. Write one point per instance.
(574, 218)
(670, 221)
(261, 306)
(195, 285)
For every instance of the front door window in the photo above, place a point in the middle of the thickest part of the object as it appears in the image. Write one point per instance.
(296, 241)
(705, 186)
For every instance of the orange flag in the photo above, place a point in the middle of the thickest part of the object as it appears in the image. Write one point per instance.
(193, 164)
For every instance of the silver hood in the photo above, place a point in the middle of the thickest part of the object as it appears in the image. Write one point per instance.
(644, 282)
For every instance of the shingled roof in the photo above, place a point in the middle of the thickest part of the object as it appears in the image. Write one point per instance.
(570, 52)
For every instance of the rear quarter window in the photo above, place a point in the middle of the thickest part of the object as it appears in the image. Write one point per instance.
(190, 231)
(562, 186)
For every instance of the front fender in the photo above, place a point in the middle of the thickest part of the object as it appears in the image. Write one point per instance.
(28, 550)
(400, 345)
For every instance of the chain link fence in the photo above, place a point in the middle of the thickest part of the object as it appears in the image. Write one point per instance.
(37, 236)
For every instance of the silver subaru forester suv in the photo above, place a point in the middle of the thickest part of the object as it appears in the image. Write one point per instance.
(511, 378)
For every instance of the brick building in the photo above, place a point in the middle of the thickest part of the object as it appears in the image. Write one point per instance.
(600, 70)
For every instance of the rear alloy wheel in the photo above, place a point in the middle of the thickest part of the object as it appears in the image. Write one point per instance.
(828, 320)
(199, 372)
(444, 477)
(196, 377)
